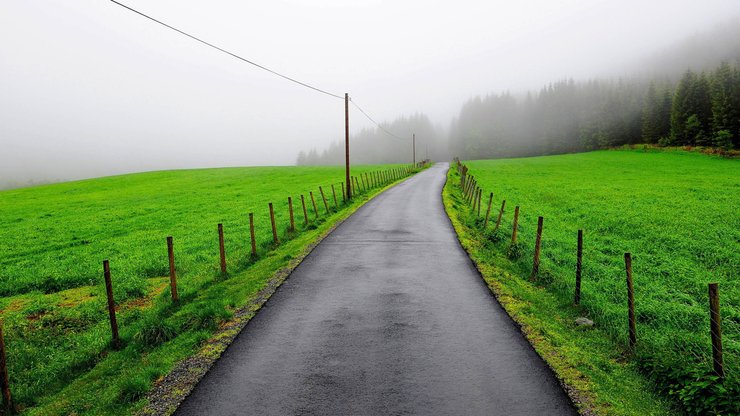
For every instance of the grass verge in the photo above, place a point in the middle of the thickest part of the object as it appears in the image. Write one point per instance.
(58, 342)
(676, 213)
(596, 375)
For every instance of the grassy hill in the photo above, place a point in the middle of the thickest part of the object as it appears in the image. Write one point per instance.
(53, 239)
(676, 212)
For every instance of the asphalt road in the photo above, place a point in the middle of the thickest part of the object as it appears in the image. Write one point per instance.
(387, 316)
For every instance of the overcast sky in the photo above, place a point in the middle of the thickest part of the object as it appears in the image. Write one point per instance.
(88, 88)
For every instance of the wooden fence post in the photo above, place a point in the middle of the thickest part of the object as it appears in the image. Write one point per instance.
(480, 193)
(326, 206)
(313, 202)
(579, 265)
(111, 305)
(630, 301)
(221, 247)
(716, 330)
(488, 211)
(4, 380)
(251, 234)
(334, 193)
(500, 215)
(173, 273)
(364, 183)
(274, 227)
(516, 223)
(290, 212)
(305, 213)
(537, 245)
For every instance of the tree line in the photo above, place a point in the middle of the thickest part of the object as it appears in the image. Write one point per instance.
(374, 146)
(701, 109)
(697, 109)
(663, 103)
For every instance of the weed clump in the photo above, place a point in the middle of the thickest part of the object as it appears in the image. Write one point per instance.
(154, 332)
(133, 388)
(514, 251)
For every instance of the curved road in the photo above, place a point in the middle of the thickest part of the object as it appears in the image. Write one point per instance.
(387, 316)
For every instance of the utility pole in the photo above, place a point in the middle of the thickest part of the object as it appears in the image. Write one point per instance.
(414, 147)
(346, 146)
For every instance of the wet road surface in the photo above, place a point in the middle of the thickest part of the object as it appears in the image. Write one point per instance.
(387, 316)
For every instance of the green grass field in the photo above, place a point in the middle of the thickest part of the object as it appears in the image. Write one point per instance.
(676, 212)
(54, 238)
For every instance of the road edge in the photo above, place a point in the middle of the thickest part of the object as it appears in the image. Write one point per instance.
(580, 400)
(171, 390)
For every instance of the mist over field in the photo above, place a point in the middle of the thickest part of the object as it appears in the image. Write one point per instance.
(91, 89)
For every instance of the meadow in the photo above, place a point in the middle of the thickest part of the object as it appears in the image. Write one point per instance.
(54, 238)
(676, 212)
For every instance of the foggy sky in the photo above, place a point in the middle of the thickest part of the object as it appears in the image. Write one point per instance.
(88, 88)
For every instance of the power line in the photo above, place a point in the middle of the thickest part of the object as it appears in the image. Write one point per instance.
(255, 64)
(227, 52)
(375, 122)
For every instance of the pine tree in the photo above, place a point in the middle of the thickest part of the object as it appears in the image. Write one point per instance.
(680, 108)
(664, 118)
(725, 112)
(301, 158)
(702, 107)
(651, 113)
(691, 99)
(736, 106)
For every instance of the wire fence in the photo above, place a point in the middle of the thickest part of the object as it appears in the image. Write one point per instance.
(672, 332)
(287, 220)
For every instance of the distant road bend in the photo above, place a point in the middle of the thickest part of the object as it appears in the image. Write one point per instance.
(387, 316)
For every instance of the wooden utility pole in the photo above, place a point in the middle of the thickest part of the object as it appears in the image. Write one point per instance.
(346, 147)
(413, 141)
